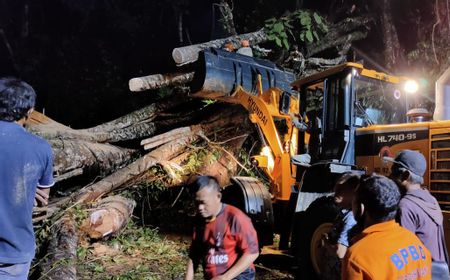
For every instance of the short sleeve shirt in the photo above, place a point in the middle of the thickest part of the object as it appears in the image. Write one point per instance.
(343, 224)
(218, 244)
(26, 161)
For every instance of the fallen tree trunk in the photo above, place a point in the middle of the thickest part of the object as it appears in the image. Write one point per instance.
(134, 170)
(348, 30)
(62, 251)
(109, 217)
(159, 80)
(230, 116)
(135, 125)
(343, 32)
(91, 157)
(189, 54)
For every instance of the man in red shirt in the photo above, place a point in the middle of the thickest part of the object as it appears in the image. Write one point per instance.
(224, 239)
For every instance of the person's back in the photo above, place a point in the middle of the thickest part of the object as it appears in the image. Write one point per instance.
(26, 173)
(420, 213)
(23, 160)
(387, 251)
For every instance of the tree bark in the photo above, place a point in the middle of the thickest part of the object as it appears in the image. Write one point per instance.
(393, 53)
(159, 80)
(137, 124)
(226, 17)
(90, 156)
(132, 173)
(344, 32)
(62, 251)
(189, 54)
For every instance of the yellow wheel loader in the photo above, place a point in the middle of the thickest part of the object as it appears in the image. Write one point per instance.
(314, 129)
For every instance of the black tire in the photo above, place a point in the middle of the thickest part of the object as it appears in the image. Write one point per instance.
(322, 210)
(251, 197)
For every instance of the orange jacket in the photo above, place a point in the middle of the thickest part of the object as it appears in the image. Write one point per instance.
(387, 251)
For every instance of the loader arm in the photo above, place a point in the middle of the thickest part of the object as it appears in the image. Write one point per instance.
(264, 91)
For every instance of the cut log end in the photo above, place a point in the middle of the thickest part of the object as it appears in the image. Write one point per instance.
(136, 85)
(183, 56)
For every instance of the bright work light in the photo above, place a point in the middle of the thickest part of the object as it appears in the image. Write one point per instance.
(411, 86)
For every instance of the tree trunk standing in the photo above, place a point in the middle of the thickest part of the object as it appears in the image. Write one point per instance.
(223, 15)
(393, 53)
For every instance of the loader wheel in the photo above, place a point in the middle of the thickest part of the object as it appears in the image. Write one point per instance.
(318, 247)
(252, 197)
(309, 226)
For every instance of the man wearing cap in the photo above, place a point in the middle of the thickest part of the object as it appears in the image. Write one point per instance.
(419, 211)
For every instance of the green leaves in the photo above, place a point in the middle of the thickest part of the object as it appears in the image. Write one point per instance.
(301, 27)
(317, 18)
(309, 36)
(278, 27)
(277, 31)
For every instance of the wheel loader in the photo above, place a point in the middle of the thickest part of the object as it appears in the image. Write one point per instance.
(314, 129)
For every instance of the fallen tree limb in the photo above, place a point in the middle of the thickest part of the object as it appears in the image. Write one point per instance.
(159, 80)
(338, 34)
(133, 170)
(62, 251)
(189, 54)
(70, 155)
(131, 126)
(345, 31)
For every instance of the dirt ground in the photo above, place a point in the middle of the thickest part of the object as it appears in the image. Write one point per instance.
(147, 254)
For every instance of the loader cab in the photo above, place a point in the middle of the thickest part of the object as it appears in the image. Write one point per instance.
(338, 101)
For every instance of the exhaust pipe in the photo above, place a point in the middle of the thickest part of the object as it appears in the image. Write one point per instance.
(442, 99)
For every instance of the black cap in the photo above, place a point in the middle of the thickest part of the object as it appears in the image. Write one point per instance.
(413, 161)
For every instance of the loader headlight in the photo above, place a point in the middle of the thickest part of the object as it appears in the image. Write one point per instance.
(267, 152)
(411, 86)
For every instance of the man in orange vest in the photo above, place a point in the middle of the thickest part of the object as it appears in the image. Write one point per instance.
(383, 250)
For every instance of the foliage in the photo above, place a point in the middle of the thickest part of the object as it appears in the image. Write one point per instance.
(138, 253)
(299, 28)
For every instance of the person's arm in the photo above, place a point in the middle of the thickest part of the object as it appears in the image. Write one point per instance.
(242, 264)
(189, 270)
(42, 195)
(341, 250)
(46, 180)
(343, 241)
(406, 218)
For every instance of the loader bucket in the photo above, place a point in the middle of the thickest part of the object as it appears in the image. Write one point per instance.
(219, 73)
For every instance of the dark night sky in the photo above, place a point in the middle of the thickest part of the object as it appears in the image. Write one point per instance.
(79, 55)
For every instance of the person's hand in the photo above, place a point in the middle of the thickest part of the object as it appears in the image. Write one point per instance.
(41, 197)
